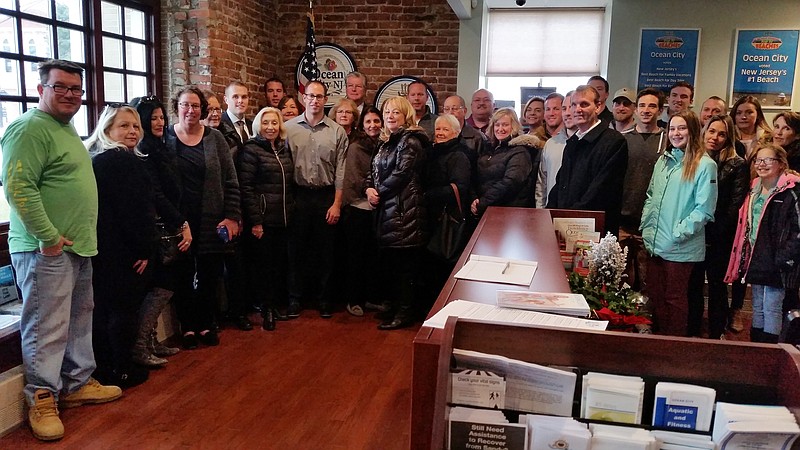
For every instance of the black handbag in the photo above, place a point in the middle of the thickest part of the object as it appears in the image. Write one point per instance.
(450, 233)
(168, 241)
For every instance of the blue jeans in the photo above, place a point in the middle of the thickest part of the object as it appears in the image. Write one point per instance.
(768, 308)
(56, 322)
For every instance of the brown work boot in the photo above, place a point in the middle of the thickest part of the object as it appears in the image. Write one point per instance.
(43, 416)
(91, 392)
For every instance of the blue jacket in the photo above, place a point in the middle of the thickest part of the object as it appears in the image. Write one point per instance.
(676, 211)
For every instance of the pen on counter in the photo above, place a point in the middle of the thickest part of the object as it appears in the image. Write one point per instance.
(508, 264)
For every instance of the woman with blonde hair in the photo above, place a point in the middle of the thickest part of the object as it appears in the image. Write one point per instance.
(505, 167)
(767, 243)
(126, 242)
(266, 175)
(394, 189)
(345, 113)
(680, 201)
(733, 179)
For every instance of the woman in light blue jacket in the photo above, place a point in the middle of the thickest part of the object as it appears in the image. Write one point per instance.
(680, 201)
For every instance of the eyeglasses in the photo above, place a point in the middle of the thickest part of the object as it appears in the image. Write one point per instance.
(192, 106)
(61, 89)
(767, 161)
(314, 97)
(214, 110)
(345, 112)
(448, 109)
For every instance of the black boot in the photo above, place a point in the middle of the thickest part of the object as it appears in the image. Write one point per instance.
(756, 335)
(769, 338)
(269, 319)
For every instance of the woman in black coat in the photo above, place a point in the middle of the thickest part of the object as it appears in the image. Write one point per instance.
(126, 238)
(148, 351)
(733, 181)
(447, 166)
(394, 188)
(357, 215)
(504, 169)
(265, 179)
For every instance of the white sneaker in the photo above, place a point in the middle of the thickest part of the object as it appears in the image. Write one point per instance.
(355, 310)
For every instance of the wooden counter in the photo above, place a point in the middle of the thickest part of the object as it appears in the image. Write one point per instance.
(516, 233)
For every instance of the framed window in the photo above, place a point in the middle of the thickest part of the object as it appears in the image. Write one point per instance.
(122, 33)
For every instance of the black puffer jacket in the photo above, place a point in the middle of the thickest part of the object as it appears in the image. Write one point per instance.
(793, 155)
(733, 183)
(447, 163)
(265, 179)
(397, 176)
(776, 253)
(504, 176)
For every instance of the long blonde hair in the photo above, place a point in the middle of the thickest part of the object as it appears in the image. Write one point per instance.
(693, 152)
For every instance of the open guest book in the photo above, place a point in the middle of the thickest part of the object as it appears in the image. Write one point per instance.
(495, 269)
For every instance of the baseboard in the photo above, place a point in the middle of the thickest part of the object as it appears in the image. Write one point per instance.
(12, 400)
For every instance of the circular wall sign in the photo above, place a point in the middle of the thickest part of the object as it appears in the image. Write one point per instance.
(399, 86)
(334, 63)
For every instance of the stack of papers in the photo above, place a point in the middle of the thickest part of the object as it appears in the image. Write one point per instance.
(529, 387)
(683, 406)
(546, 432)
(481, 428)
(471, 310)
(8, 325)
(671, 440)
(754, 427)
(609, 437)
(612, 398)
(549, 302)
(498, 270)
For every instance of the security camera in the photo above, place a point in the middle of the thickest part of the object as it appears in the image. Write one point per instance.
(521, 2)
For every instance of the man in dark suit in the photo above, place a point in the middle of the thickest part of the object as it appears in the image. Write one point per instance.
(237, 98)
(594, 163)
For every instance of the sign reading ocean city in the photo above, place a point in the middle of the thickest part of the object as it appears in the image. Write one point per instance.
(334, 63)
(764, 66)
(667, 57)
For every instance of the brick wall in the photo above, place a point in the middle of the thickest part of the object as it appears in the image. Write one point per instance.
(212, 42)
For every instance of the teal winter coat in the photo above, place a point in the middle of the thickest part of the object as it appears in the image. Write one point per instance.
(676, 210)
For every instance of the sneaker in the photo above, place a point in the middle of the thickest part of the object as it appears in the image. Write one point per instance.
(91, 392)
(355, 310)
(43, 416)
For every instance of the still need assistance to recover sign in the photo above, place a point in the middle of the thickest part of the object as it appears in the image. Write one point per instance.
(764, 67)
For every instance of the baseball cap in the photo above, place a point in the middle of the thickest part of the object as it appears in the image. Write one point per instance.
(625, 92)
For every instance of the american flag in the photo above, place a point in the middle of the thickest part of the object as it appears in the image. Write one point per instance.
(309, 70)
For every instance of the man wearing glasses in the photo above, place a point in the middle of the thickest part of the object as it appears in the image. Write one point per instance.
(49, 184)
(318, 146)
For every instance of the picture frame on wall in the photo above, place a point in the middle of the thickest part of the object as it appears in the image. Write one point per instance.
(764, 66)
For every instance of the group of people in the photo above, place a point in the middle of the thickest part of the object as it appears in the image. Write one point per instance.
(104, 233)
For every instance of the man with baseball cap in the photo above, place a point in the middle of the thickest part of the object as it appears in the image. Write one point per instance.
(624, 103)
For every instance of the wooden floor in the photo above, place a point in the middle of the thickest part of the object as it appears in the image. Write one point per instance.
(311, 384)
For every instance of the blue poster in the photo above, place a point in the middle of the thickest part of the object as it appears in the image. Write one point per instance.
(764, 67)
(667, 57)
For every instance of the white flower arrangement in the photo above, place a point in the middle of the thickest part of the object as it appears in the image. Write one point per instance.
(607, 261)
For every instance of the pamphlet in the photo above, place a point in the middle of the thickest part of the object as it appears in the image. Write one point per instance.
(549, 302)
(498, 270)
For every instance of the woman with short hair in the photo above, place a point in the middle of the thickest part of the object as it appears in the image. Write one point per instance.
(266, 174)
(126, 240)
